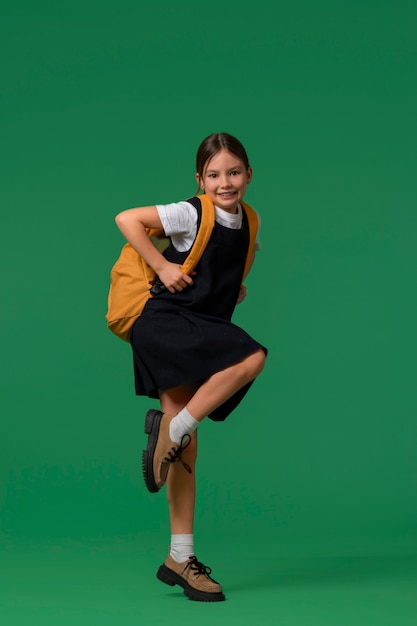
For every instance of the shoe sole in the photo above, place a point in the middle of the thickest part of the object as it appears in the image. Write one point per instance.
(171, 578)
(152, 425)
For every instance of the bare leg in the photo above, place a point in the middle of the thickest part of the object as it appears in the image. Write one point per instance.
(180, 484)
(222, 385)
(200, 401)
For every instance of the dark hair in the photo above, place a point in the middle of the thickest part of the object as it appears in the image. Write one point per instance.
(216, 142)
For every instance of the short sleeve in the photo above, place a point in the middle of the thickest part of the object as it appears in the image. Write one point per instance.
(179, 221)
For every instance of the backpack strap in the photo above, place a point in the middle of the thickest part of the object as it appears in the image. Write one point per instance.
(206, 225)
(205, 228)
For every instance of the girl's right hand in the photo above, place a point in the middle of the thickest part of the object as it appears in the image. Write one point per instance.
(174, 278)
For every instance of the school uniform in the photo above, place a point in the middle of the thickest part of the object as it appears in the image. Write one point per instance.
(185, 337)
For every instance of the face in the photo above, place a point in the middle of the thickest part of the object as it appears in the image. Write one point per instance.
(224, 180)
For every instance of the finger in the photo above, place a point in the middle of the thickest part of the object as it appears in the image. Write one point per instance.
(188, 280)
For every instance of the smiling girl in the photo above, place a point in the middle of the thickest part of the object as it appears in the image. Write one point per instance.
(187, 352)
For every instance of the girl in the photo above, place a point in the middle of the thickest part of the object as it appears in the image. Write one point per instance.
(186, 350)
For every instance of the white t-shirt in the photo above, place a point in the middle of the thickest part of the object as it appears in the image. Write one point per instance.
(179, 221)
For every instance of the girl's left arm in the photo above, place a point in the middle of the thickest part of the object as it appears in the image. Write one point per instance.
(243, 290)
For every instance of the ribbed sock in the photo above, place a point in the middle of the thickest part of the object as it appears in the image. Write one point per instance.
(182, 424)
(182, 547)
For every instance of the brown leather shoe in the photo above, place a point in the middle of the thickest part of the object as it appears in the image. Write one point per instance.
(161, 451)
(193, 577)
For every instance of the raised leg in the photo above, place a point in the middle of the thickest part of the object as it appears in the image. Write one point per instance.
(222, 385)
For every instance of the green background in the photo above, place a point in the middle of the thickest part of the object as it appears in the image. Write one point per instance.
(307, 506)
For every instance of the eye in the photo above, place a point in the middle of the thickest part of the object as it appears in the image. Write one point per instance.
(235, 173)
(212, 175)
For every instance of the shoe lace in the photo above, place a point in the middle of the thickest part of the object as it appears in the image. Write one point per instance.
(197, 567)
(175, 453)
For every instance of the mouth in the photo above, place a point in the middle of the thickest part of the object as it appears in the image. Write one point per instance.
(227, 194)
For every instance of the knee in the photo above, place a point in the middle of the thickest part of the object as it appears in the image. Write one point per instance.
(255, 363)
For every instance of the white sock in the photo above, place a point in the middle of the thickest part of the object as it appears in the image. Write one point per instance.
(182, 547)
(182, 424)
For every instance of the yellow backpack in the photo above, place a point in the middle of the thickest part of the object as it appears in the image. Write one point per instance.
(131, 278)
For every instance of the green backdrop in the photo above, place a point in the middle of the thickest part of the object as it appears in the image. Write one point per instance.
(103, 107)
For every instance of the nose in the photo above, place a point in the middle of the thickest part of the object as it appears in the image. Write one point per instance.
(224, 181)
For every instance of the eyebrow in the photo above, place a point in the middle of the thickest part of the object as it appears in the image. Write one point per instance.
(230, 169)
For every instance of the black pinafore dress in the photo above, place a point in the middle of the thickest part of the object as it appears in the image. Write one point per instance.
(185, 337)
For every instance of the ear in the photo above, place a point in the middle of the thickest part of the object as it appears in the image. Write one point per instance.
(199, 181)
(249, 175)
